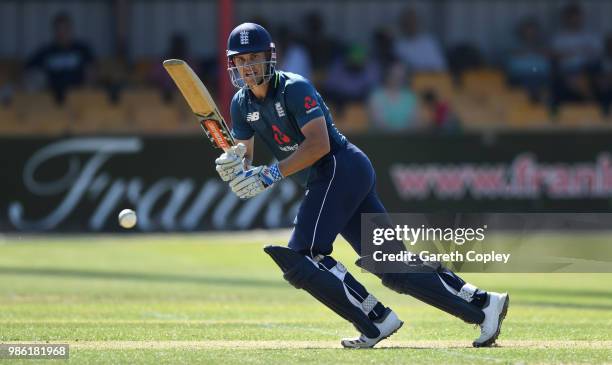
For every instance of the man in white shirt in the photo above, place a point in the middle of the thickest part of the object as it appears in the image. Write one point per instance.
(419, 51)
(576, 52)
(574, 46)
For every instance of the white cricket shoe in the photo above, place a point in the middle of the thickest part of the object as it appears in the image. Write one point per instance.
(388, 324)
(495, 311)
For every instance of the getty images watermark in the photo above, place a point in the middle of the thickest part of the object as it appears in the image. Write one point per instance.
(497, 242)
(23, 351)
(413, 235)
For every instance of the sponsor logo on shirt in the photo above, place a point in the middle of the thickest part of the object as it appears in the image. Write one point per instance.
(280, 137)
(252, 117)
(279, 110)
(283, 140)
(310, 104)
(290, 148)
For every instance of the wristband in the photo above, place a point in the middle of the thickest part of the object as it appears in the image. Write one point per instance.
(275, 173)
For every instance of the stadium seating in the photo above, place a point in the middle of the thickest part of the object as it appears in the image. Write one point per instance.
(105, 118)
(10, 120)
(480, 99)
(81, 99)
(54, 120)
(439, 82)
(38, 100)
(354, 118)
(580, 114)
(38, 113)
(483, 81)
(526, 114)
(157, 118)
(514, 96)
(139, 97)
(93, 112)
(476, 111)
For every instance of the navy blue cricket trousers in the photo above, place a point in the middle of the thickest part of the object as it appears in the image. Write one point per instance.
(340, 188)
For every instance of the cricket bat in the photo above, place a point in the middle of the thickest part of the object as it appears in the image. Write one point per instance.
(201, 103)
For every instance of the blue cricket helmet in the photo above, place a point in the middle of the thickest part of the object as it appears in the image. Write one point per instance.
(250, 38)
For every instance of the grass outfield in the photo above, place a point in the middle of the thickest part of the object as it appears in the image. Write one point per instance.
(220, 299)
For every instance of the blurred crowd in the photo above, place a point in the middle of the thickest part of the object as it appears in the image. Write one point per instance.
(570, 65)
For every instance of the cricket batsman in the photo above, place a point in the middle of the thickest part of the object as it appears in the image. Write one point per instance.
(289, 115)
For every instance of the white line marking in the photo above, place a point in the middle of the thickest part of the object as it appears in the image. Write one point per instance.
(449, 345)
(314, 234)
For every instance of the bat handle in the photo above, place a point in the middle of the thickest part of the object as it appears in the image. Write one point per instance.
(241, 149)
(237, 150)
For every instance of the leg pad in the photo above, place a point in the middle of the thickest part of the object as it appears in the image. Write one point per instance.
(303, 273)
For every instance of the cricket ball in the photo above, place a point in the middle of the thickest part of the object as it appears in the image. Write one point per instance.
(127, 218)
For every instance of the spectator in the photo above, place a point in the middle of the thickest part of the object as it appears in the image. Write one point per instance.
(419, 51)
(604, 84)
(575, 54)
(293, 56)
(113, 74)
(177, 48)
(322, 49)
(383, 49)
(438, 114)
(529, 62)
(462, 57)
(66, 62)
(575, 48)
(351, 78)
(393, 106)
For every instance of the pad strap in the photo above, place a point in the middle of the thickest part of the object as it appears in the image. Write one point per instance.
(467, 292)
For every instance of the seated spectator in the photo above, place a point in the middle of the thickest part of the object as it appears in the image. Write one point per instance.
(113, 74)
(351, 78)
(575, 47)
(322, 49)
(576, 52)
(383, 49)
(604, 78)
(463, 57)
(66, 62)
(393, 106)
(293, 55)
(529, 63)
(438, 114)
(419, 51)
(177, 48)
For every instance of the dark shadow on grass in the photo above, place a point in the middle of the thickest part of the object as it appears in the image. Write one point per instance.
(568, 292)
(566, 305)
(425, 347)
(378, 349)
(162, 278)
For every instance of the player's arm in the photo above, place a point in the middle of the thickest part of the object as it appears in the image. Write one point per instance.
(314, 146)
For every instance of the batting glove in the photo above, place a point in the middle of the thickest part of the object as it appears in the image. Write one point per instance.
(229, 164)
(254, 181)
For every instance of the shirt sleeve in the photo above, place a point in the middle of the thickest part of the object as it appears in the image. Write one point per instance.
(240, 128)
(303, 102)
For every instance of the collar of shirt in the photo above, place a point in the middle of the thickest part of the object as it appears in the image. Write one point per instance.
(272, 86)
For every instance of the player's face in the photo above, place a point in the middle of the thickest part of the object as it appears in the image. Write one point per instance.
(251, 67)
